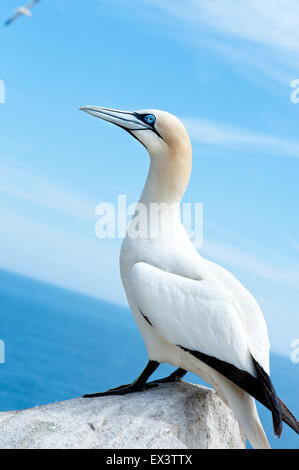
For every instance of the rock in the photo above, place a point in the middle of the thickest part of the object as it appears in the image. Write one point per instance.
(171, 416)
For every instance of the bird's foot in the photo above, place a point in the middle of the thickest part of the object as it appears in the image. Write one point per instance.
(175, 377)
(123, 390)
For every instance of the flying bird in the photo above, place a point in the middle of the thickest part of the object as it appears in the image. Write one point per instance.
(191, 312)
(25, 10)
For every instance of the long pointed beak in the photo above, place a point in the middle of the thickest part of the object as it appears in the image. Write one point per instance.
(128, 120)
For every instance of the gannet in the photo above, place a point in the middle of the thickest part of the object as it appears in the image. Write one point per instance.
(191, 312)
(25, 10)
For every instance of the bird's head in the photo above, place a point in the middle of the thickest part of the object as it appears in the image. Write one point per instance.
(157, 130)
(162, 134)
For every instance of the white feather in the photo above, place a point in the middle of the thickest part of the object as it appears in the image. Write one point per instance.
(198, 315)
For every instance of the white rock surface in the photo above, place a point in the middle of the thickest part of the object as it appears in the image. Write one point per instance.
(171, 416)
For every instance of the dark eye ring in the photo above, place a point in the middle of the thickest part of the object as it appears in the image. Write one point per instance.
(150, 119)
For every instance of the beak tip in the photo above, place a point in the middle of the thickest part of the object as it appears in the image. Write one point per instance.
(87, 108)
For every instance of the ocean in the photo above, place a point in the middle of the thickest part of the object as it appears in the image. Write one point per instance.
(60, 344)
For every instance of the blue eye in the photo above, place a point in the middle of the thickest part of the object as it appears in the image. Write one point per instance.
(150, 119)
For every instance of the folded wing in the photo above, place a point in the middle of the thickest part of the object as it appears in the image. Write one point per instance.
(197, 315)
(203, 318)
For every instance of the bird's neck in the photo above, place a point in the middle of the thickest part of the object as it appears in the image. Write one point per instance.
(168, 178)
(157, 215)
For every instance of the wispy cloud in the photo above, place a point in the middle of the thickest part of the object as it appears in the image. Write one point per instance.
(250, 263)
(250, 246)
(293, 243)
(265, 34)
(60, 255)
(272, 23)
(212, 132)
(233, 251)
(29, 186)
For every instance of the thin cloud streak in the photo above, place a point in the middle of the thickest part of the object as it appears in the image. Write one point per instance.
(293, 243)
(261, 251)
(215, 133)
(273, 24)
(28, 186)
(228, 255)
(61, 256)
(264, 34)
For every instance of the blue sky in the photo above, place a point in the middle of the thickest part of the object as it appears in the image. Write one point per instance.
(223, 67)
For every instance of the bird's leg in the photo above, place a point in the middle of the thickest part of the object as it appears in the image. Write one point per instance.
(176, 376)
(137, 386)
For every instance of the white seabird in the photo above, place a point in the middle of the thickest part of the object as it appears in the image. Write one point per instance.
(191, 312)
(25, 11)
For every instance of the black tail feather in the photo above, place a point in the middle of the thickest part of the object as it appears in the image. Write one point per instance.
(260, 388)
(288, 417)
(271, 398)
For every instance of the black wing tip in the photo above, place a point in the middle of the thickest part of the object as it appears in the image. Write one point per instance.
(271, 398)
(8, 22)
(288, 417)
(260, 388)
